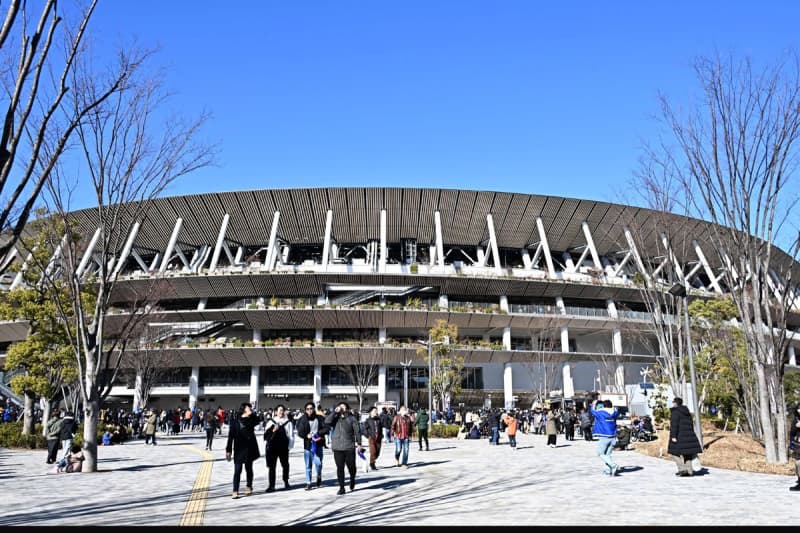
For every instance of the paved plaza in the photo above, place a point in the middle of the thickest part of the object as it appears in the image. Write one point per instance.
(457, 482)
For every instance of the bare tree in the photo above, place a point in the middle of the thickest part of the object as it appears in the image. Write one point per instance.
(735, 154)
(543, 370)
(41, 51)
(127, 165)
(149, 358)
(364, 373)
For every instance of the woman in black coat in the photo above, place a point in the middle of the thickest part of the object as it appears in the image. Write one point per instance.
(683, 443)
(242, 444)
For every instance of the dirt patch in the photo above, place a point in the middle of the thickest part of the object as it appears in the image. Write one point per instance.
(723, 449)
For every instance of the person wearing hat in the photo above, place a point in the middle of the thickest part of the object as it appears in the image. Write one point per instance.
(421, 425)
(150, 424)
(683, 443)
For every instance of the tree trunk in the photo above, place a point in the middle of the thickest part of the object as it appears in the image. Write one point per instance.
(27, 420)
(91, 415)
(46, 417)
(764, 415)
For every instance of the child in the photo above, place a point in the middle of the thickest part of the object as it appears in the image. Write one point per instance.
(107, 436)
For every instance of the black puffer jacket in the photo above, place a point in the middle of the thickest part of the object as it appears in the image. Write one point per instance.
(681, 429)
(242, 439)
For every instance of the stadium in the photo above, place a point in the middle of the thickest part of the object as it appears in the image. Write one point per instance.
(269, 295)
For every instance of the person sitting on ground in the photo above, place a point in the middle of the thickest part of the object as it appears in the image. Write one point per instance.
(107, 436)
(74, 461)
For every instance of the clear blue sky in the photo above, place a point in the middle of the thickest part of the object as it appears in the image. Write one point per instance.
(520, 96)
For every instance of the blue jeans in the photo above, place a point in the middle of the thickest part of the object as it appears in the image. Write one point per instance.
(495, 438)
(401, 445)
(605, 445)
(388, 434)
(311, 460)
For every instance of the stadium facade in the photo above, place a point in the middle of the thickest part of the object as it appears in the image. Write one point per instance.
(267, 294)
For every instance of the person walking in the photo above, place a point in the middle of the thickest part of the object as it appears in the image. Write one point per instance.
(605, 429)
(421, 425)
(311, 427)
(68, 428)
(683, 443)
(346, 440)
(53, 436)
(586, 423)
(401, 433)
(386, 424)
(278, 439)
(551, 428)
(210, 426)
(794, 446)
(150, 424)
(511, 429)
(242, 446)
(373, 429)
(493, 422)
(569, 424)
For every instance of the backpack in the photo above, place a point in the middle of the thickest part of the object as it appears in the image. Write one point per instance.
(277, 439)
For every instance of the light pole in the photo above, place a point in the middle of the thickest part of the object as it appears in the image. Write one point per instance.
(405, 365)
(430, 344)
(679, 290)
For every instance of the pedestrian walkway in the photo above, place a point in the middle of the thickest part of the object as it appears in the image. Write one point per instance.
(458, 482)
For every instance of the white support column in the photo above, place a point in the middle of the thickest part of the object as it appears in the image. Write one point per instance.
(182, 257)
(257, 335)
(326, 244)
(201, 304)
(237, 260)
(481, 253)
(568, 263)
(498, 268)
(566, 377)
(710, 273)
(255, 374)
(622, 263)
(381, 335)
(508, 386)
(318, 335)
(581, 259)
(10, 256)
(56, 255)
(140, 261)
(677, 266)
(444, 302)
(537, 255)
(154, 262)
(87, 254)
(635, 252)
(432, 254)
(384, 251)
(220, 243)
(194, 387)
(18, 277)
(551, 271)
(560, 305)
(382, 383)
(171, 245)
(504, 303)
(564, 339)
(590, 243)
(126, 250)
(616, 333)
(269, 262)
(507, 338)
(619, 378)
(137, 393)
(792, 356)
(437, 220)
(317, 384)
(526, 259)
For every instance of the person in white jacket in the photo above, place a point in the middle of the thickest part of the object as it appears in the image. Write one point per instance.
(278, 439)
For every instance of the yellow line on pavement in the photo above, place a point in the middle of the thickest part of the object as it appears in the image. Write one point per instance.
(195, 509)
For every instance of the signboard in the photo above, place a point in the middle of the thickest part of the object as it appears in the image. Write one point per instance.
(388, 405)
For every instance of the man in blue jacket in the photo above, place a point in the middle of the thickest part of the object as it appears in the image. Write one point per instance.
(605, 429)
